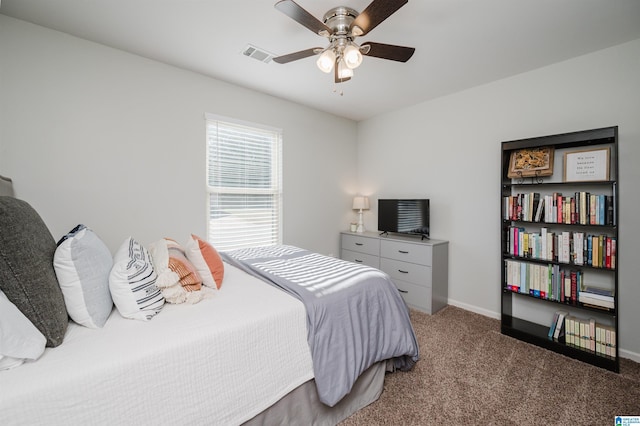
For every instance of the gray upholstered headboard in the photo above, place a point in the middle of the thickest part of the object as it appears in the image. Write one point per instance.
(6, 186)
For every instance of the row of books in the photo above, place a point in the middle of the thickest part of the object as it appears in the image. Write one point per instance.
(552, 283)
(578, 248)
(585, 334)
(583, 208)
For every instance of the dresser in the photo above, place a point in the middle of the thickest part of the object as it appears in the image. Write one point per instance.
(418, 268)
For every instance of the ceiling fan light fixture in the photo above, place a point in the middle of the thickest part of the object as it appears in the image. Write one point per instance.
(326, 60)
(352, 56)
(344, 71)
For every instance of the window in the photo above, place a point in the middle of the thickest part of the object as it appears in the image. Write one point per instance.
(244, 184)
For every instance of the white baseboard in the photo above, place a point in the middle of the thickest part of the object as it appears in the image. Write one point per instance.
(633, 356)
(473, 308)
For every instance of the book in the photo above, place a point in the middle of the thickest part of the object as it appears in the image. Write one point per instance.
(539, 210)
(569, 335)
(552, 327)
(613, 253)
(609, 207)
(597, 290)
(560, 326)
(588, 299)
(573, 275)
(567, 286)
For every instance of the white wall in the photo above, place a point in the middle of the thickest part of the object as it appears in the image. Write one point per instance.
(448, 150)
(93, 135)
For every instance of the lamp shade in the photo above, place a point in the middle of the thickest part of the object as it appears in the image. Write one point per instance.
(326, 60)
(352, 56)
(360, 202)
(343, 70)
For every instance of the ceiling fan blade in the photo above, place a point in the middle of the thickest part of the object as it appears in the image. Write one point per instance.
(387, 51)
(298, 14)
(297, 55)
(374, 14)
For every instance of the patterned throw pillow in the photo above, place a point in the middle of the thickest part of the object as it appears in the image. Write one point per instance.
(83, 263)
(132, 282)
(188, 276)
(206, 260)
(178, 279)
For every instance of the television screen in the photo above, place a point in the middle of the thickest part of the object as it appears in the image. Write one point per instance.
(404, 216)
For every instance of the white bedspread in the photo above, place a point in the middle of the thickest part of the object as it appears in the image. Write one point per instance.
(220, 361)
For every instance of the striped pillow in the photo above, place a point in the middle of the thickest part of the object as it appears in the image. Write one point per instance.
(206, 260)
(132, 282)
(188, 276)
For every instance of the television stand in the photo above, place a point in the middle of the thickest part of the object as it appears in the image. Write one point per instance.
(418, 268)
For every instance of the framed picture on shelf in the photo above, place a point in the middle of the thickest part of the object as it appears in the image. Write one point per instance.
(531, 162)
(587, 165)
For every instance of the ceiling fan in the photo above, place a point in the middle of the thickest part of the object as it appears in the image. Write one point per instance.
(341, 25)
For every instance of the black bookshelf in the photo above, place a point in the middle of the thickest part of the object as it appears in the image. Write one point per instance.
(536, 333)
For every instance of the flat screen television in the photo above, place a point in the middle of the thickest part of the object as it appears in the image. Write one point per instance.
(404, 216)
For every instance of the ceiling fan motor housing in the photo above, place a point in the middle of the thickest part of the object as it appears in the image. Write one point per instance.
(339, 19)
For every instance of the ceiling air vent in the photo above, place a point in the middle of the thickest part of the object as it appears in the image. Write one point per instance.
(257, 53)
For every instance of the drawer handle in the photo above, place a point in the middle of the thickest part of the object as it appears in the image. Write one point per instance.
(403, 272)
(403, 291)
(358, 244)
(358, 260)
(403, 252)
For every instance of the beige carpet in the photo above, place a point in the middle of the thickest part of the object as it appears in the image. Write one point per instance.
(470, 374)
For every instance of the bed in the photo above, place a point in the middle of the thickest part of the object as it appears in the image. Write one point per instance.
(246, 355)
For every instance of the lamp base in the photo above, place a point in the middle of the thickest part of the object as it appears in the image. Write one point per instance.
(360, 227)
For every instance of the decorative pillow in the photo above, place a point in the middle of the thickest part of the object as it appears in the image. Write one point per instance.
(178, 279)
(82, 263)
(132, 282)
(178, 263)
(206, 260)
(20, 340)
(27, 276)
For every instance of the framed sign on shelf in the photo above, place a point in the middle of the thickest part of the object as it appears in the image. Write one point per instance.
(587, 165)
(531, 162)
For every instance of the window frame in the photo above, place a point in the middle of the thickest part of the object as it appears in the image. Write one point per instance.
(275, 189)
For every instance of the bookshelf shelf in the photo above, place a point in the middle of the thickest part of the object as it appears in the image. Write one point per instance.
(553, 262)
(560, 240)
(536, 334)
(610, 312)
(550, 224)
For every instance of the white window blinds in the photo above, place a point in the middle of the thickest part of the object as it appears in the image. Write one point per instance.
(244, 184)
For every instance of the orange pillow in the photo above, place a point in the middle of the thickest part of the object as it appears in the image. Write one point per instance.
(206, 260)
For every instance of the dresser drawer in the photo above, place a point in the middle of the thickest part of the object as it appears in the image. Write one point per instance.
(405, 271)
(406, 252)
(362, 258)
(360, 244)
(414, 295)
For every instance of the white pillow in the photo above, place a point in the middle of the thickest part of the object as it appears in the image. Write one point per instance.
(82, 263)
(20, 340)
(132, 282)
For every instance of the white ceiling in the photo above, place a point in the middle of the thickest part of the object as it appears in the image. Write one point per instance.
(459, 43)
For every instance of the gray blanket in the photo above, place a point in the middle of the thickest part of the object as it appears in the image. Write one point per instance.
(355, 315)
